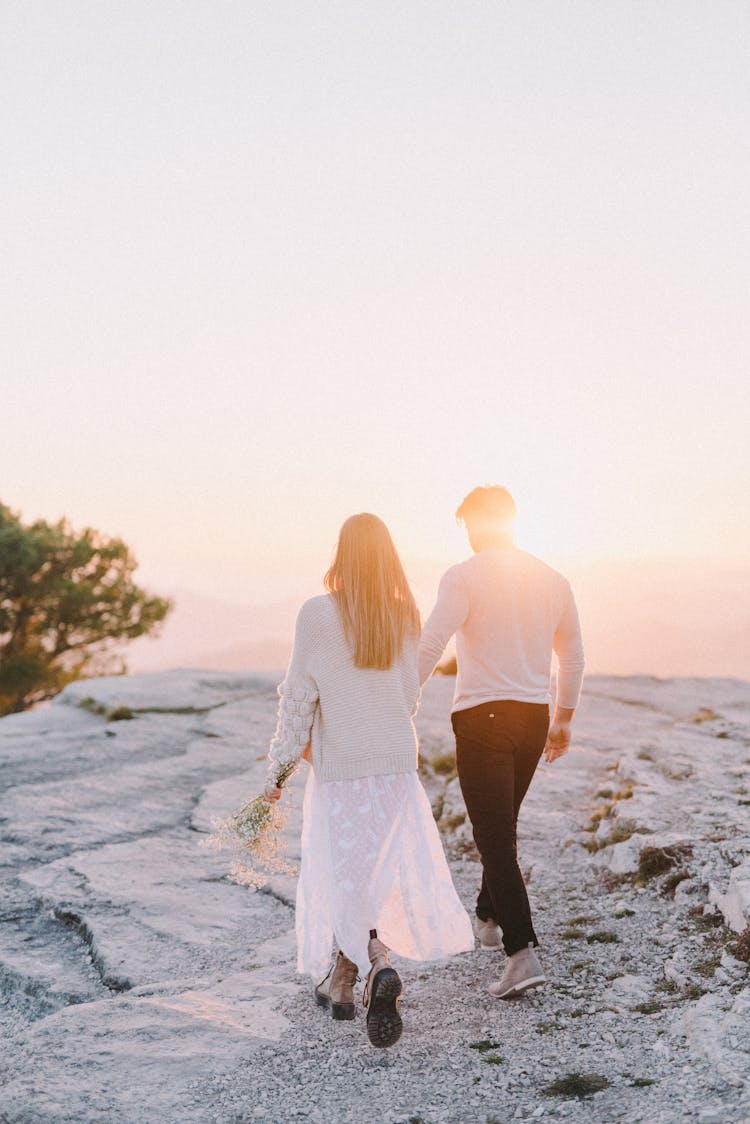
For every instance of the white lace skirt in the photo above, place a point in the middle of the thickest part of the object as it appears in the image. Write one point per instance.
(372, 859)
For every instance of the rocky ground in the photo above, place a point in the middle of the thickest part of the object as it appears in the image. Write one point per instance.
(139, 984)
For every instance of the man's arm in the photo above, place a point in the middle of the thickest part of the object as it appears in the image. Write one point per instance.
(450, 612)
(568, 645)
(558, 737)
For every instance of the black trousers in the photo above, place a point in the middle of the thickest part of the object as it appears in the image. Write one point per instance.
(498, 746)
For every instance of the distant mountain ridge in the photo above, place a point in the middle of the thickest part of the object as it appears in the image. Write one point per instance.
(648, 617)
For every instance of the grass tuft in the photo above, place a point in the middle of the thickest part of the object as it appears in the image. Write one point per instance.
(602, 936)
(707, 967)
(705, 714)
(577, 1085)
(742, 947)
(672, 881)
(120, 714)
(654, 861)
(649, 1006)
(622, 830)
(484, 1045)
(444, 763)
(626, 792)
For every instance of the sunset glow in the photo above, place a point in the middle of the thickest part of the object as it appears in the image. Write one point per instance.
(368, 262)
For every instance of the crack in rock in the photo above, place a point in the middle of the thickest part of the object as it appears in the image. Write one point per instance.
(76, 922)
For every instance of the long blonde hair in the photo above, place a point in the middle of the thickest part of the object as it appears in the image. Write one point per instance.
(368, 584)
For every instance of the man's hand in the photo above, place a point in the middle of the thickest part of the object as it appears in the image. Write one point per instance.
(558, 738)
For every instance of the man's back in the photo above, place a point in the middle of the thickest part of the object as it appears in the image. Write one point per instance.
(509, 610)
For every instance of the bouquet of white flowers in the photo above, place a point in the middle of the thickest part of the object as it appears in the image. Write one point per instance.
(253, 833)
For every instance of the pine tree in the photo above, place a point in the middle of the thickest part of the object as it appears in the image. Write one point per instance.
(67, 599)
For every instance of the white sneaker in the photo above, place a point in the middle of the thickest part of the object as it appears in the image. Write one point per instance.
(522, 972)
(488, 933)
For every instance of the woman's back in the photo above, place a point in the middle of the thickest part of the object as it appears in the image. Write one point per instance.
(363, 716)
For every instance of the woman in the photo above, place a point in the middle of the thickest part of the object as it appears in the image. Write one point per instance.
(372, 861)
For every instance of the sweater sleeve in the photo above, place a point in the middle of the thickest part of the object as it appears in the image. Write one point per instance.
(450, 612)
(568, 645)
(298, 701)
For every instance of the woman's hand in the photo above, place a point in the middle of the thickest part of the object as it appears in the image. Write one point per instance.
(307, 752)
(271, 793)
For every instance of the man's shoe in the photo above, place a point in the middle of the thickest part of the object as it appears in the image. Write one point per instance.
(336, 991)
(382, 989)
(487, 933)
(522, 972)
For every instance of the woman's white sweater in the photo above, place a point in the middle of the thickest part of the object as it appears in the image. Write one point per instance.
(359, 719)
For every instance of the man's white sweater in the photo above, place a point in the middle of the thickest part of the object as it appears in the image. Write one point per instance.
(509, 611)
(359, 719)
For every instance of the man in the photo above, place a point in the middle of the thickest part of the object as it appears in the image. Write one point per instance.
(509, 611)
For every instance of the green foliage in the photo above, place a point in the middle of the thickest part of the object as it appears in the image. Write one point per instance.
(484, 1045)
(444, 763)
(120, 714)
(67, 598)
(577, 1085)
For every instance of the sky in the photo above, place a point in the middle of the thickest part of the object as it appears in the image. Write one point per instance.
(269, 264)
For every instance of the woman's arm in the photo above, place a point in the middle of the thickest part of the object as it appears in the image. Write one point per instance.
(298, 702)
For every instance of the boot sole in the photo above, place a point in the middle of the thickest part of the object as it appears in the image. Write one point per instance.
(340, 1012)
(518, 989)
(384, 1024)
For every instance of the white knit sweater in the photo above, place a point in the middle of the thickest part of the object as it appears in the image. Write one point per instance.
(359, 719)
(509, 611)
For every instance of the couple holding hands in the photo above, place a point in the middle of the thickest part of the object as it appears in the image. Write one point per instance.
(374, 875)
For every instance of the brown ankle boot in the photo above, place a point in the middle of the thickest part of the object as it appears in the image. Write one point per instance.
(382, 990)
(337, 989)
